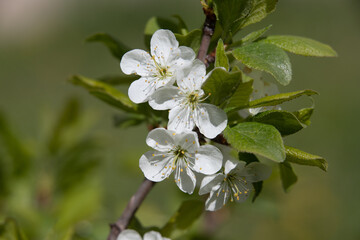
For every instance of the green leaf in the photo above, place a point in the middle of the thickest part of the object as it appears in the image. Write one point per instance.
(20, 155)
(257, 138)
(68, 116)
(191, 39)
(9, 230)
(119, 80)
(304, 115)
(182, 28)
(128, 120)
(241, 96)
(156, 23)
(117, 48)
(221, 59)
(297, 156)
(287, 174)
(230, 12)
(251, 37)
(221, 85)
(105, 93)
(302, 46)
(184, 217)
(259, 10)
(279, 98)
(285, 122)
(266, 57)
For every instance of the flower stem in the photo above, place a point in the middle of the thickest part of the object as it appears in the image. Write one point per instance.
(130, 210)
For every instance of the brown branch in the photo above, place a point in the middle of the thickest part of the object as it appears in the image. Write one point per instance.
(129, 212)
(208, 31)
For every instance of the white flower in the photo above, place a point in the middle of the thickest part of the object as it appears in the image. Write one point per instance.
(263, 89)
(181, 153)
(129, 234)
(185, 104)
(158, 69)
(234, 183)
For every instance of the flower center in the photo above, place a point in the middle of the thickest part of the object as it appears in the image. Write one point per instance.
(162, 72)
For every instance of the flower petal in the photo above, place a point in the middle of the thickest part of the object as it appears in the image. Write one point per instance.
(138, 62)
(182, 57)
(155, 165)
(180, 119)
(184, 177)
(152, 235)
(141, 89)
(232, 164)
(162, 43)
(211, 120)
(210, 183)
(129, 234)
(164, 98)
(160, 139)
(257, 172)
(216, 200)
(193, 77)
(188, 141)
(208, 160)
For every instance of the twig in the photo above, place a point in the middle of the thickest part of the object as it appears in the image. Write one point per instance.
(134, 203)
(208, 31)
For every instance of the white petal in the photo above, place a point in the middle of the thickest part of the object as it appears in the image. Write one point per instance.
(231, 164)
(211, 183)
(152, 235)
(216, 200)
(129, 234)
(141, 89)
(211, 120)
(164, 98)
(180, 119)
(182, 57)
(160, 139)
(188, 141)
(184, 177)
(155, 165)
(162, 43)
(193, 77)
(257, 171)
(137, 61)
(208, 160)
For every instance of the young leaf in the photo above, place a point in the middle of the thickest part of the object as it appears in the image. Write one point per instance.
(13, 145)
(105, 93)
(302, 46)
(279, 98)
(221, 85)
(287, 174)
(241, 96)
(119, 80)
(266, 57)
(184, 217)
(259, 10)
(251, 37)
(128, 120)
(284, 121)
(117, 48)
(9, 230)
(191, 39)
(257, 138)
(304, 115)
(156, 23)
(221, 59)
(230, 12)
(300, 157)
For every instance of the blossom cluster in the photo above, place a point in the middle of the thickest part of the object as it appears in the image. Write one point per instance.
(172, 79)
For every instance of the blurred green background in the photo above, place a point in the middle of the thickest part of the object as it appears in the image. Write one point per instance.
(42, 44)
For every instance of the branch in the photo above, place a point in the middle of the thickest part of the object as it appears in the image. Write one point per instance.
(208, 31)
(129, 212)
